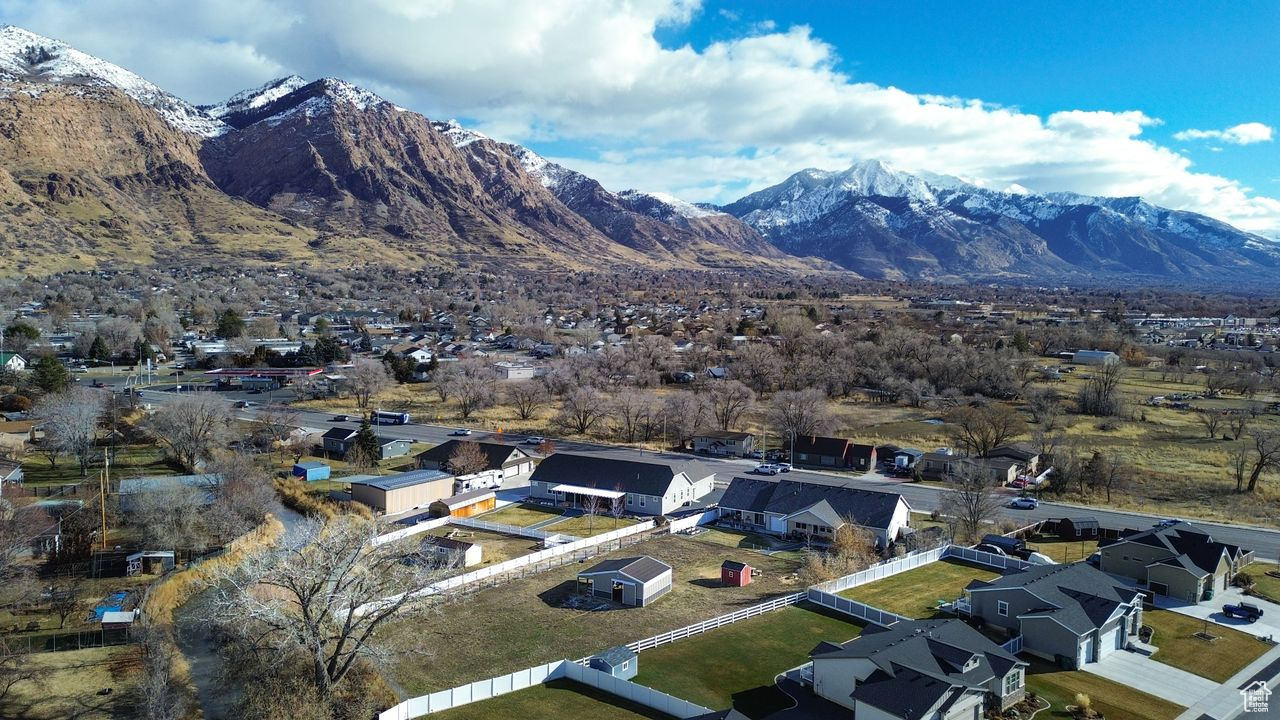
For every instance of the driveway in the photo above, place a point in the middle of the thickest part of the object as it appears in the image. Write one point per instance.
(1142, 673)
(1267, 625)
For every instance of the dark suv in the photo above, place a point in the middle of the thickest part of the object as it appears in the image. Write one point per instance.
(1244, 611)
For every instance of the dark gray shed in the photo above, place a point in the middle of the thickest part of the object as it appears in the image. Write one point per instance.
(1078, 528)
(635, 581)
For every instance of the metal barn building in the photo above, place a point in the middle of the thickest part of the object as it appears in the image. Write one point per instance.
(634, 581)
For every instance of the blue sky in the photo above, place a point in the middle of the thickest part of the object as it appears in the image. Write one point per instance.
(709, 100)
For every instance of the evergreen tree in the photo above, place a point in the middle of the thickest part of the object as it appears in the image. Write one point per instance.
(306, 356)
(50, 375)
(367, 445)
(98, 350)
(230, 324)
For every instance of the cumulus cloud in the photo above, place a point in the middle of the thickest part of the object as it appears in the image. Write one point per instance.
(1242, 134)
(707, 123)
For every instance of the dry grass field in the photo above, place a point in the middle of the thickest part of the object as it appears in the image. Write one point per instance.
(69, 686)
(524, 622)
(915, 593)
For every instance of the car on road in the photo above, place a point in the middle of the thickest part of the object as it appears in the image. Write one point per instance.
(99, 384)
(240, 404)
(754, 455)
(1024, 503)
(783, 466)
(461, 432)
(1244, 611)
(80, 369)
(766, 469)
(341, 418)
(535, 440)
(984, 547)
(1166, 523)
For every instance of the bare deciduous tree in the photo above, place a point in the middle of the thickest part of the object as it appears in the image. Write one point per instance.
(592, 505)
(527, 397)
(191, 427)
(970, 500)
(800, 412)
(1238, 422)
(759, 367)
(581, 410)
(682, 414)
(1101, 393)
(1265, 457)
(631, 411)
(64, 600)
(467, 459)
(1210, 420)
(323, 598)
(365, 379)
(986, 427)
(70, 420)
(728, 401)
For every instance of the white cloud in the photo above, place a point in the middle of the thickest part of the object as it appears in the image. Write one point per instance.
(1242, 134)
(705, 124)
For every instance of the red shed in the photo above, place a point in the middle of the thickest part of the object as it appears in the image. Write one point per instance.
(736, 574)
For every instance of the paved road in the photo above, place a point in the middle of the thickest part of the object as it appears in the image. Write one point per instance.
(1263, 541)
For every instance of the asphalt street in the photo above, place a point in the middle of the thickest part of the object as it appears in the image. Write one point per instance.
(1263, 541)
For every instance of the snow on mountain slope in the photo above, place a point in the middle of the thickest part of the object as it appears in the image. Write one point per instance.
(256, 98)
(674, 204)
(811, 194)
(28, 57)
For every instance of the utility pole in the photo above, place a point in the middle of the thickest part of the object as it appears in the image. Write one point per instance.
(103, 479)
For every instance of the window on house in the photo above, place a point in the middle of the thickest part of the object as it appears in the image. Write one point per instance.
(1012, 682)
(641, 501)
(626, 664)
(1002, 608)
(631, 500)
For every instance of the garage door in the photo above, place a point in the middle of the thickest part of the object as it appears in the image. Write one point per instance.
(1112, 640)
(1159, 588)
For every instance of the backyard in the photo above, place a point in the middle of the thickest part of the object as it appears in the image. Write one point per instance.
(69, 685)
(1218, 660)
(1113, 700)
(529, 619)
(1062, 551)
(915, 593)
(553, 701)
(494, 547)
(735, 665)
(553, 520)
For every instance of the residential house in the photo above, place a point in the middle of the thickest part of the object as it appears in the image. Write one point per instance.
(646, 487)
(632, 581)
(337, 442)
(10, 472)
(828, 452)
(1024, 455)
(392, 494)
(723, 443)
(1094, 357)
(509, 459)
(12, 361)
(1181, 561)
(1075, 611)
(792, 508)
(943, 466)
(451, 552)
(918, 670)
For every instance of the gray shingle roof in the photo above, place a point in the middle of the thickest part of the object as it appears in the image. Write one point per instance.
(641, 568)
(1079, 596)
(632, 476)
(496, 454)
(1184, 539)
(868, 508)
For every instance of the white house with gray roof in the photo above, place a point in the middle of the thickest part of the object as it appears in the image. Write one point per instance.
(1074, 611)
(649, 487)
(918, 670)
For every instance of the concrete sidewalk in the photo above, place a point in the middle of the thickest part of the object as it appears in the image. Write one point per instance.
(1226, 702)
(1140, 672)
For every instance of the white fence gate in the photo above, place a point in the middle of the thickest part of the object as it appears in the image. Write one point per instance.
(410, 531)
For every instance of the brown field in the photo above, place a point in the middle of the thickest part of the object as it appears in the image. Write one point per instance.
(522, 623)
(70, 682)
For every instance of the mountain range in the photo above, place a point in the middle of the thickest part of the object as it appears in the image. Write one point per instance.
(99, 166)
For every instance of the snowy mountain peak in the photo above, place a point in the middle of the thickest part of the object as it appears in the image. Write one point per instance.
(875, 177)
(255, 98)
(28, 57)
(458, 135)
(673, 204)
(345, 92)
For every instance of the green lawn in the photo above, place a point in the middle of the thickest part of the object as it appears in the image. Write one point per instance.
(735, 665)
(553, 701)
(583, 526)
(1217, 660)
(131, 461)
(1063, 551)
(522, 515)
(915, 593)
(1264, 583)
(1113, 700)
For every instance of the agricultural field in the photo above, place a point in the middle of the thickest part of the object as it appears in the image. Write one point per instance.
(531, 624)
(735, 666)
(553, 701)
(915, 593)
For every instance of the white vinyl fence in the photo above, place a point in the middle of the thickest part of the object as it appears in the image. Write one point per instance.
(693, 521)
(853, 608)
(529, 677)
(1014, 645)
(883, 570)
(697, 628)
(510, 529)
(583, 548)
(410, 531)
(991, 560)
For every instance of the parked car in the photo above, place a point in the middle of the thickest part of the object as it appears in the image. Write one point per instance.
(535, 440)
(988, 548)
(80, 369)
(1036, 558)
(1020, 482)
(766, 469)
(1024, 503)
(341, 418)
(783, 466)
(463, 432)
(1166, 523)
(241, 404)
(755, 455)
(1244, 611)
(99, 384)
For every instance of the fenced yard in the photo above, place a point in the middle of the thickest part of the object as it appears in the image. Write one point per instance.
(735, 665)
(915, 593)
(530, 623)
(555, 700)
(524, 515)
(1218, 660)
(494, 547)
(69, 683)
(1062, 551)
